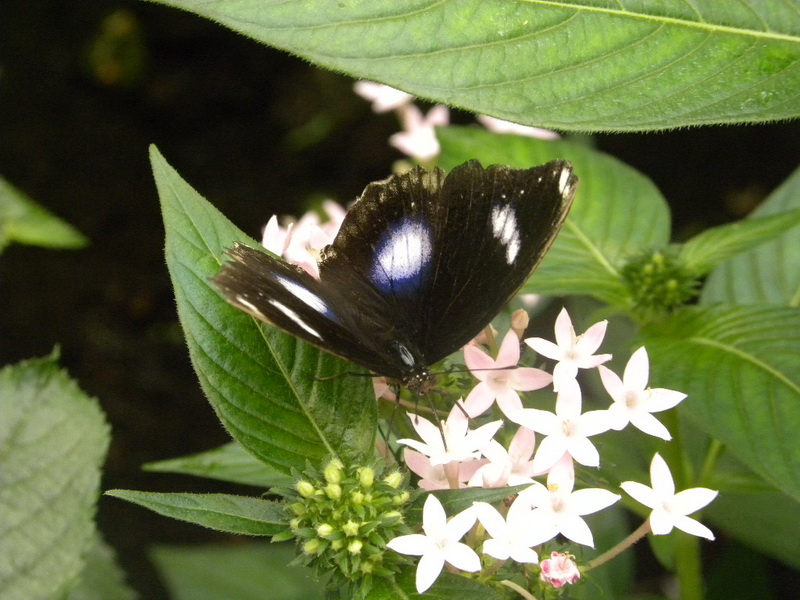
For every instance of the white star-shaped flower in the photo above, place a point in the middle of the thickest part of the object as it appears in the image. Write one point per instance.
(454, 442)
(633, 401)
(383, 97)
(572, 351)
(418, 138)
(507, 467)
(439, 544)
(557, 509)
(670, 509)
(567, 430)
(513, 536)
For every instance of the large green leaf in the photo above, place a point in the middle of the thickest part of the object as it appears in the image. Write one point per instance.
(253, 571)
(223, 512)
(53, 441)
(264, 385)
(617, 212)
(25, 222)
(230, 462)
(769, 274)
(740, 367)
(102, 578)
(574, 64)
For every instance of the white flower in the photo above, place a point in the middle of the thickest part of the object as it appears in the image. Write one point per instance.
(383, 97)
(572, 351)
(455, 442)
(439, 544)
(633, 401)
(453, 475)
(557, 509)
(513, 536)
(501, 126)
(418, 138)
(670, 509)
(567, 430)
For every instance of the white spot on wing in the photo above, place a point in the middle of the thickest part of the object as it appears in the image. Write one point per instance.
(251, 308)
(563, 180)
(309, 298)
(403, 255)
(293, 316)
(505, 230)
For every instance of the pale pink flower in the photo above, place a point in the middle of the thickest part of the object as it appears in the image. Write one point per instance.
(567, 430)
(501, 126)
(559, 570)
(498, 383)
(439, 544)
(382, 389)
(418, 138)
(455, 442)
(453, 475)
(670, 509)
(572, 351)
(383, 97)
(557, 509)
(507, 467)
(634, 401)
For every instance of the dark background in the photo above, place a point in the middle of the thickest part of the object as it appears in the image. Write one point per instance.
(257, 132)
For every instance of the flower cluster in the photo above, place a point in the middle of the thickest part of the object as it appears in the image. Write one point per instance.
(418, 138)
(452, 455)
(342, 520)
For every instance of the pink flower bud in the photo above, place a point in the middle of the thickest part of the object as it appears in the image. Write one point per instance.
(559, 569)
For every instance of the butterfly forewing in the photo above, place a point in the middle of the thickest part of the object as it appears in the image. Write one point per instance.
(420, 265)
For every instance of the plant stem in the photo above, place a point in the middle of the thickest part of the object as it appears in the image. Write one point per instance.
(687, 566)
(629, 541)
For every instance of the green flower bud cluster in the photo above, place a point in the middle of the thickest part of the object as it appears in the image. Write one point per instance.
(342, 519)
(658, 282)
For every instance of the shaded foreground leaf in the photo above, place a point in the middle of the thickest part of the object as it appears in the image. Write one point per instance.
(53, 440)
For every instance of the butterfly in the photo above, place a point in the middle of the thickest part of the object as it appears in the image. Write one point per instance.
(421, 264)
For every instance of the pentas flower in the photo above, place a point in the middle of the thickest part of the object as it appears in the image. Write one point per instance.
(567, 430)
(454, 442)
(557, 509)
(559, 570)
(572, 351)
(498, 383)
(511, 537)
(453, 475)
(501, 126)
(383, 97)
(507, 467)
(670, 509)
(418, 138)
(439, 544)
(633, 401)
(300, 243)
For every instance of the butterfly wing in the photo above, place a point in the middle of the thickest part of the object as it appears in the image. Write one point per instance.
(435, 258)
(289, 298)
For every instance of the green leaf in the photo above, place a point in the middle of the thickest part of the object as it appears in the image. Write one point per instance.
(254, 571)
(230, 462)
(769, 274)
(718, 244)
(585, 65)
(102, 578)
(53, 441)
(25, 222)
(740, 367)
(278, 397)
(749, 516)
(224, 512)
(447, 587)
(617, 212)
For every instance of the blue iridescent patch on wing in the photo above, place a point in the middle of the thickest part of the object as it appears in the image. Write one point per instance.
(403, 257)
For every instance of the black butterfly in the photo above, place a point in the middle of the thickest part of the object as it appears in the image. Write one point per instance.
(421, 264)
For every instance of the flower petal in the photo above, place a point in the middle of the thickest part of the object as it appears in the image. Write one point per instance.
(641, 493)
(428, 569)
(693, 527)
(692, 500)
